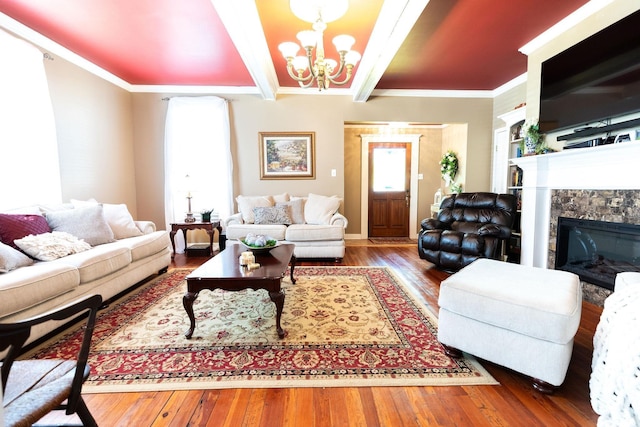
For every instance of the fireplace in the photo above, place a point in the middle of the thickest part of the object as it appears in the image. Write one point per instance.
(597, 250)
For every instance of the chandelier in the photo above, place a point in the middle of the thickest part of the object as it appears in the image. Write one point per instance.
(323, 70)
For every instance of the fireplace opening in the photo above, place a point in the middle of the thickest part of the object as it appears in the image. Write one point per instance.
(597, 250)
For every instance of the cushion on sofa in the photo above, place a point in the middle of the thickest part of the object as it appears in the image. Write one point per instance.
(117, 216)
(16, 226)
(296, 209)
(313, 233)
(10, 259)
(27, 287)
(50, 246)
(146, 245)
(87, 223)
(319, 209)
(120, 220)
(281, 198)
(247, 203)
(238, 231)
(271, 215)
(98, 262)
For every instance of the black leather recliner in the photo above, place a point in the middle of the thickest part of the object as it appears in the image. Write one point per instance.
(468, 226)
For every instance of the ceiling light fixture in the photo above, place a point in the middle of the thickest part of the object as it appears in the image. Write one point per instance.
(319, 12)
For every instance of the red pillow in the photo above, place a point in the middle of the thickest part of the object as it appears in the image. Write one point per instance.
(13, 227)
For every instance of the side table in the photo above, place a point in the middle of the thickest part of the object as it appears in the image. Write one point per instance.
(184, 226)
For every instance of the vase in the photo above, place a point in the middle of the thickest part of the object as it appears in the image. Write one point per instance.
(529, 146)
(206, 217)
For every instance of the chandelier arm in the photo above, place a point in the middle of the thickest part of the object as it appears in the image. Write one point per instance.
(311, 65)
(306, 84)
(298, 78)
(346, 79)
(340, 69)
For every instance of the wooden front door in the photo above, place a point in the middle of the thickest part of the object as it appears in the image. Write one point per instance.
(389, 172)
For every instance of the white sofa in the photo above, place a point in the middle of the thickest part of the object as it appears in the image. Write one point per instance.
(134, 251)
(312, 223)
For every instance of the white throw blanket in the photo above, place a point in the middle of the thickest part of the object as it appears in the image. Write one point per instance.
(615, 369)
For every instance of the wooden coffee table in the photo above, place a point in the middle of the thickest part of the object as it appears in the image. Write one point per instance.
(224, 272)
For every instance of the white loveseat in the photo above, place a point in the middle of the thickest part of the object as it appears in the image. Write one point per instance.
(312, 223)
(122, 252)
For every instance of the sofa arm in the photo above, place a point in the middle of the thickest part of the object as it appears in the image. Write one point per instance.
(627, 279)
(233, 219)
(339, 219)
(147, 227)
(434, 224)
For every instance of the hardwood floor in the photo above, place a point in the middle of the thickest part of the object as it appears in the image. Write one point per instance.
(512, 403)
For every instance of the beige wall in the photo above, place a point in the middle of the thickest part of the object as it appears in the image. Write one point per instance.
(94, 125)
(324, 115)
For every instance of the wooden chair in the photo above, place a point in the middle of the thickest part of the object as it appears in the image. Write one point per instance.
(33, 388)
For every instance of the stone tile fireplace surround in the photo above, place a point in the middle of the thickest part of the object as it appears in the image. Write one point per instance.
(601, 183)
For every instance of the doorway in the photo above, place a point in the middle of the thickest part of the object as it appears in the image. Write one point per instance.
(389, 189)
(413, 140)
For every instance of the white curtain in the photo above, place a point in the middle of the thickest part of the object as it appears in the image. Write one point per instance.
(197, 145)
(30, 171)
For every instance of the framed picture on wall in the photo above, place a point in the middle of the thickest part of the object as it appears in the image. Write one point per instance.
(287, 155)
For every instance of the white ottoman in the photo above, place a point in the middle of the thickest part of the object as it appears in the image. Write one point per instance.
(523, 318)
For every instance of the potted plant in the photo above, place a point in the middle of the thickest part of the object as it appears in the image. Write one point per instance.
(206, 215)
(532, 142)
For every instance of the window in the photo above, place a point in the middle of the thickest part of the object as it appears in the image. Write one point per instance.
(30, 169)
(197, 145)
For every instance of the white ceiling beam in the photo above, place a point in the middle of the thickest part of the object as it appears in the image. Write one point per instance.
(56, 49)
(396, 19)
(241, 19)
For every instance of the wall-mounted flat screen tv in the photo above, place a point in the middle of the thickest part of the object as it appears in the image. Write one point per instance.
(594, 81)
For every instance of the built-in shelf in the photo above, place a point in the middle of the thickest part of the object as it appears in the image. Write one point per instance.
(603, 167)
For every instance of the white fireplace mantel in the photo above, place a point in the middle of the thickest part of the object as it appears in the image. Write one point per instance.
(606, 167)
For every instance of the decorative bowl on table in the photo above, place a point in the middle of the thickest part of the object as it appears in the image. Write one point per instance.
(258, 243)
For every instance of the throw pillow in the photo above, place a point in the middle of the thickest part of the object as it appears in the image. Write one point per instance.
(120, 220)
(118, 217)
(296, 210)
(320, 209)
(10, 259)
(50, 246)
(281, 198)
(86, 223)
(247, 203)
(272, 215)
(16, 226)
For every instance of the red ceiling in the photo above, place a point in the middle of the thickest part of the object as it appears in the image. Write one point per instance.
(455, 44)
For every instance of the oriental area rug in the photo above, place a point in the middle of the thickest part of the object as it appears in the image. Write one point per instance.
(345, 326)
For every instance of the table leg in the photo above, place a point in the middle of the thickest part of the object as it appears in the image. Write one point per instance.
(172, 235)
(278, 300)
(187, 303)
(210, 233)
(293, 266)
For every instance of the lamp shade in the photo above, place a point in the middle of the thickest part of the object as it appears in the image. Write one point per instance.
(289, 49)
(352, 57)
(300, 63)
(307, 38)
(330, 64)
(343, 42)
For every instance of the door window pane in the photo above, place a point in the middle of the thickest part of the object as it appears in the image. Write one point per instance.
(389, 169)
